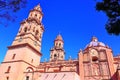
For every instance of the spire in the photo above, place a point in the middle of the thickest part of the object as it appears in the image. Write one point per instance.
(36, 15)
(38, 7)
(58, 43)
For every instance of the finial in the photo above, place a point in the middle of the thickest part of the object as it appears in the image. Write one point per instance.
(38, 7)
(94, 39)
(80, 51)
(70, 58)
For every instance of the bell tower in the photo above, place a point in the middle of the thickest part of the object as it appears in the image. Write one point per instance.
(25, 52)
(31, 29)
(57, 52)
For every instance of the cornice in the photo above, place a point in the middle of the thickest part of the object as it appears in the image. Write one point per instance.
(23, 45)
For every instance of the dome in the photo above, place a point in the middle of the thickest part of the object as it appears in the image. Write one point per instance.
(94, 42)
(59, 37)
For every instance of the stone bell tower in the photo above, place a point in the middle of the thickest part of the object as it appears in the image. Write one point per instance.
(31, 29)
(25, 52)
(57, 52)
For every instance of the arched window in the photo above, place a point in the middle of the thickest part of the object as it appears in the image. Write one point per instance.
(25, 29)
(36, 33)
(35, 15)
(13, 56)
(7, 78)
(27, 77)
(55, 56)
(8, 70)
(56, 44)
(59, 44)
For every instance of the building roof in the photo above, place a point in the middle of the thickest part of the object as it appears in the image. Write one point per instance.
(60, 76)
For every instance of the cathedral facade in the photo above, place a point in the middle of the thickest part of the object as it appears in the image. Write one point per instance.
(22, 60)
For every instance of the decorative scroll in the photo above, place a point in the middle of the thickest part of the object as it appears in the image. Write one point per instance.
(87, 69)
(105, 70)
(102, 55)
(95, 69)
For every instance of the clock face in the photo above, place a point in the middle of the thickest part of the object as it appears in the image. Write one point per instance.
(94, 52)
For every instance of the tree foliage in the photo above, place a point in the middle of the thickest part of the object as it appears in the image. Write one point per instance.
(8, 8)
(112, 9)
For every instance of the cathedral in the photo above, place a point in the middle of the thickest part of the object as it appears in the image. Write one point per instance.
(22, 60)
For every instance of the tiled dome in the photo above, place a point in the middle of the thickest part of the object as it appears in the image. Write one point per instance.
(94, 42)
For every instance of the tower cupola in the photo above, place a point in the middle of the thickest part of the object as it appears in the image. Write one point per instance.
(58, 43)
(36, 14)
(57, 52)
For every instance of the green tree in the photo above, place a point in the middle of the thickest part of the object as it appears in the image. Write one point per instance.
(112, 9)
(8, 8)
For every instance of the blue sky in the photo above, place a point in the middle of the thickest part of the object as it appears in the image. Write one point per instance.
(76, 20)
